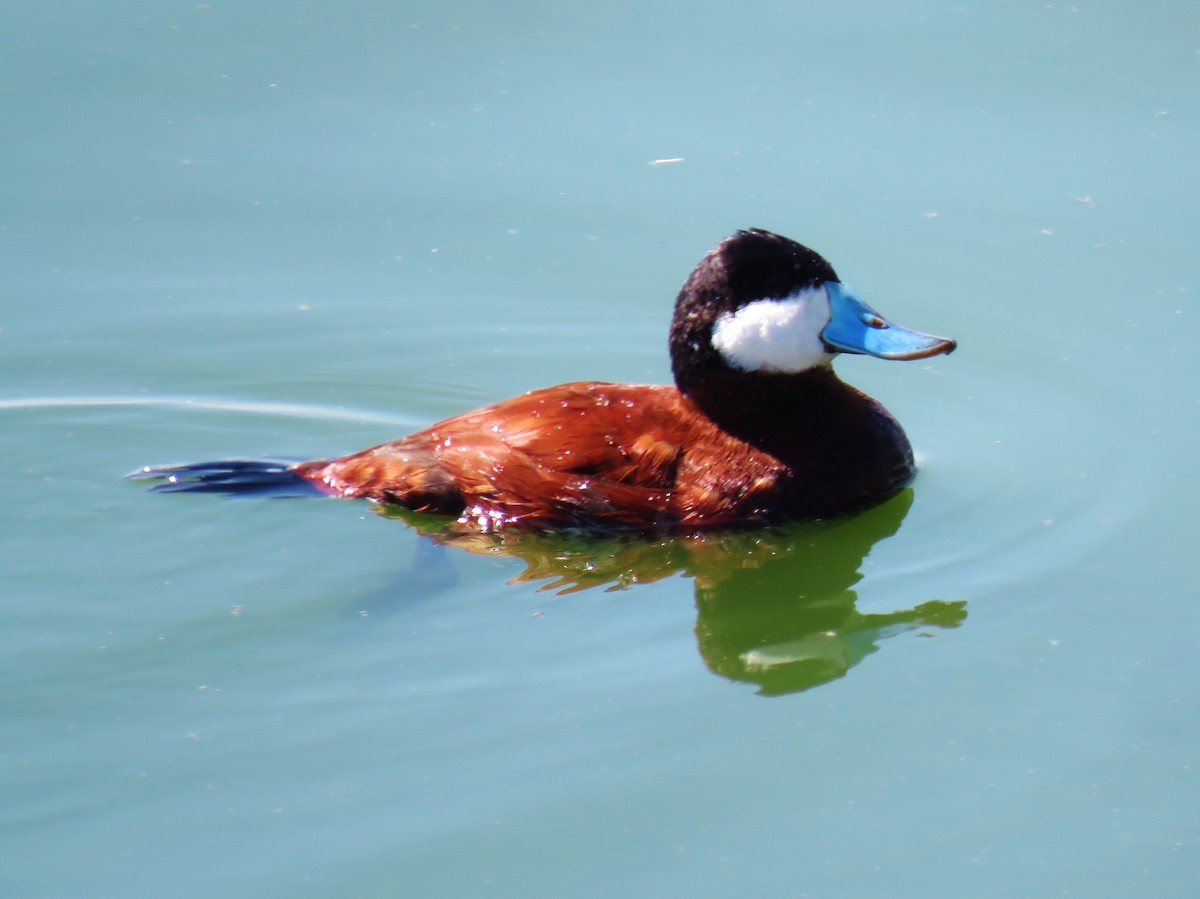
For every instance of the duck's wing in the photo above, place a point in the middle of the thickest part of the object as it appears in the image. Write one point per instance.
(584, 454)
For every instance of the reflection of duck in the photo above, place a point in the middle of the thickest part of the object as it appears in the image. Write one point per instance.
(793, 624)
(758, 427)
(774, 605)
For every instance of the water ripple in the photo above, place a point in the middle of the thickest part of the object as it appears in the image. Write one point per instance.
(283, 410)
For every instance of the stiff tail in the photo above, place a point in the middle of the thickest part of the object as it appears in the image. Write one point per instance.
(240, 477)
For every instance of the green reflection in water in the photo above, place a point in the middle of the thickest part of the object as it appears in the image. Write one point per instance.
(775, 607)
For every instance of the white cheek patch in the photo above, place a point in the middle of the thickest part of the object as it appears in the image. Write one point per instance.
(775, 335)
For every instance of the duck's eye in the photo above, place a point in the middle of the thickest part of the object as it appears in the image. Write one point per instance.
(873, 321)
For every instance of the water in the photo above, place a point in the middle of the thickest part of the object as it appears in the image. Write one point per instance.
(300, 230)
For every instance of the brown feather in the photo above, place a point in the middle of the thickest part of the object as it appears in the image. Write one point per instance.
(585, 454)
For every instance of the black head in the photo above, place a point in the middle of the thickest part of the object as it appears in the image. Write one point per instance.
(749, 266)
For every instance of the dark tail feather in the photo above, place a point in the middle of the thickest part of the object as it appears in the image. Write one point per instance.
(240, 477)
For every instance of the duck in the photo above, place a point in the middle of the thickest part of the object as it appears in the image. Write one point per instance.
(757, 427)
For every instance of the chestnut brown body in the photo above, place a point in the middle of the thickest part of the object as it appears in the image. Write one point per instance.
(640, 456)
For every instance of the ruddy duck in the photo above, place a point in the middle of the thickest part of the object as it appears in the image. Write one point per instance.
(757, 428)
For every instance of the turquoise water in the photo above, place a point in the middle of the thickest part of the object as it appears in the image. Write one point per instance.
(301, 229)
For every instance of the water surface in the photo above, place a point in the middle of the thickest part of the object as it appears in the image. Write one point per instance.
(300, 230)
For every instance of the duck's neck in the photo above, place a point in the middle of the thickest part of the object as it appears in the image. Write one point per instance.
(816, 424)
(759, 407)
